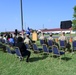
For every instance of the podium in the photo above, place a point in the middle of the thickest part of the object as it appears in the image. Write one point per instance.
(34, 36)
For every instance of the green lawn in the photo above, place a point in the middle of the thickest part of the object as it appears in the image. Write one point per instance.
(39, 64)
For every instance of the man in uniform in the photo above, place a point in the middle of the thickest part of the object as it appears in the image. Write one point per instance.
(64, 38)
(28, 40)
(53, 40)
(42, 37)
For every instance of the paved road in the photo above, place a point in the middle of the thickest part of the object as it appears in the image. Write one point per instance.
(58, 36)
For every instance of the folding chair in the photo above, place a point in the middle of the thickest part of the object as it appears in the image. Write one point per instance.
(50, 43)
(7, 42)
(9, 50)
(56, 51)
(35, 48)
(18, 53)
(27, 46)
(0, 40)
(3, 41)
(62, 44)
(45, 49)
(74, 45)
(41, 42)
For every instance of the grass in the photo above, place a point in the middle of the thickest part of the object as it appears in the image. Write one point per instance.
(42, 65)
(39, 65)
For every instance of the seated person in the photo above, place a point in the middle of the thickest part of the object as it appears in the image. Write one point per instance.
(51, 38)
(54, 42)
(4, 38)
(28, 40)
(22, 48)
(0, 37)
(63, 38)
(42, 37)
(11, 40)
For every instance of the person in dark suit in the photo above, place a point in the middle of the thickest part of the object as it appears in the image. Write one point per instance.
(22, 48)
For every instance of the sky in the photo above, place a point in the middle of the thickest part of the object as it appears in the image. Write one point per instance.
(37, 14)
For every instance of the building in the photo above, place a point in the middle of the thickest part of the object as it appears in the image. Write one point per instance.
(58, 30)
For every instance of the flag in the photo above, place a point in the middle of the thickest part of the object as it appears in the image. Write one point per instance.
(28, 31)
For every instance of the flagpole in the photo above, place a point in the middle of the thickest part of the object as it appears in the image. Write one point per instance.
(21, 14)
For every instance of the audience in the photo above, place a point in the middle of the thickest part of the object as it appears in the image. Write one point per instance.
(21, 43)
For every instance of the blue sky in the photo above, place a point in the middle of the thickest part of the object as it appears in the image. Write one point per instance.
(37, 14)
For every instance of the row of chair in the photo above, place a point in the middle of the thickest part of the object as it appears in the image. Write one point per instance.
(54, 50)
(61, 44)
(50, 43)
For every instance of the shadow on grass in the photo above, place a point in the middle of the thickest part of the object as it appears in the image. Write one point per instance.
(66, 58)
(40, 49)
(69, 50)
(38, 58)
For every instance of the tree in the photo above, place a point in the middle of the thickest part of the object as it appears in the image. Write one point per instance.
(74, 19)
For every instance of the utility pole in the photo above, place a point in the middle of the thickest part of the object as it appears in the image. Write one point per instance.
(21, 14)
